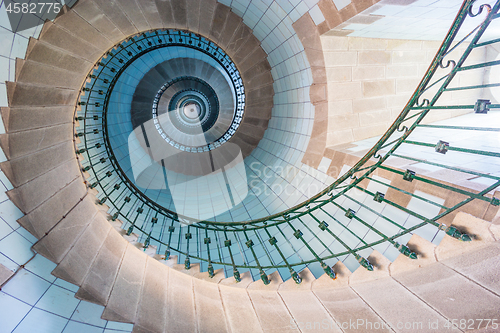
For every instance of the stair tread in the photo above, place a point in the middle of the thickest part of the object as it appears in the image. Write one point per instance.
(98, 283)
(66, 232)
(75, 266)
(125, 295)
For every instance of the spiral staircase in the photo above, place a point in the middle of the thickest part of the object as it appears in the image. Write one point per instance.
(313, 272)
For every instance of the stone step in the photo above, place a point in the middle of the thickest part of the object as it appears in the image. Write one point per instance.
(425, 251)
(180, 309)
(29, 118)
(19, 144)
(269, 307)
(22, 94)
(166, 15)
(150, 12)
(207, 12)
(23, 170)
(379, 296)
(207, 296)
(450, 294)
(77, 26)
(193, 17)
(98, 283)
(41, 219)
(126, 293)
(219, 21)
(180, 12)
(240, 37)
(61, 237)
(134, 14)
(239, 312)
(481, 232)
(90, 12)
(380, 269)
(30, 195)
(57, 36)
(233, 22)
(153, 299)
(117, 16)
(303, 304)
(44, 75)
(75, 266)
(48, 54)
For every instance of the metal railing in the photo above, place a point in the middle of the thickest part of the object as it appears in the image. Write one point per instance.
(346, 220)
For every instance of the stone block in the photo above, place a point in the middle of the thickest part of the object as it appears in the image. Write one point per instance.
(374, 117)
(346, 58)
(334, 43)
(424, 250)
(343, 122)
(374, 57)
(339, 74)
(378, 88)
(368, 73)
(344, 91)
(207, 296)
(369, 104)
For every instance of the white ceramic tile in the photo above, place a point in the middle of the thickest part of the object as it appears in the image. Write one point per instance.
(13, 311)
(58, 301)
(26, 287)
(41, 322)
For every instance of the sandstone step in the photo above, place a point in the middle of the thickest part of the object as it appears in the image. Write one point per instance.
(40, 220)
(380, 269)
(219, 21)
(45, 75)
(211, 317)
(193, 17)
(207, 12)
(481, 232)
(153, 299)
(79, 27)
(150, 12)
(23, 170)
(117, 16)
(379, 296)
(479, 265)
(61, 237)
(91, 13)
(30, 195)
(271, 311)
(239, 312)
(19, 144)
(231, 25)
(180, 308)
(179, 12)
(75, 266)
(240, 37)
(48, 54)
(99, 281)
(61, 38)
(22, 94)
(425, 251)
(166, 14)
(27, 118)
(303, 304)
(126, 293)
(134, 13)
(450, 294)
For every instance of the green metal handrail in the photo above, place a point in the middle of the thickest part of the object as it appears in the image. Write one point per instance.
(284, 241)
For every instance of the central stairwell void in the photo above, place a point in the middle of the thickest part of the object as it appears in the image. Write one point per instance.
(150, 187)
